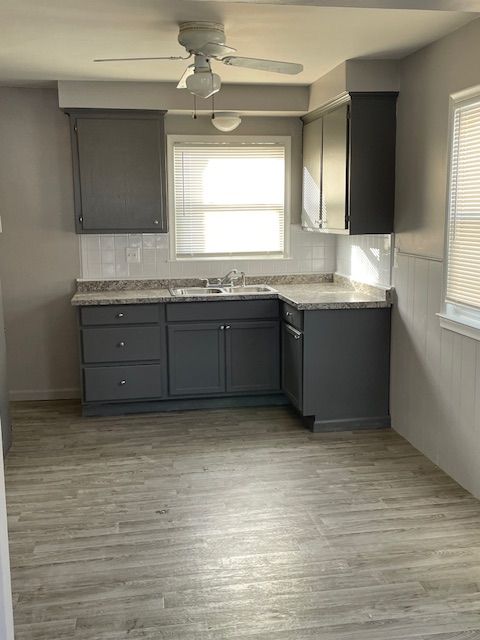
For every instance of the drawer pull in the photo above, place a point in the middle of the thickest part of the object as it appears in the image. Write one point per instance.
(119, 315)
(122, 382)
(222, 327)
(121, 344)
(289, 314)
(227, 326)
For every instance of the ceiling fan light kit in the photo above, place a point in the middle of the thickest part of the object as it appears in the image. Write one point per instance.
(226, 120)
(203, 83)
(206, 41)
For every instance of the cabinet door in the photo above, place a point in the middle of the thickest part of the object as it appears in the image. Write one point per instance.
(119, 173)
(335, 169)
(292, 364)
(252, 356)
(196, 359)
(311, 179)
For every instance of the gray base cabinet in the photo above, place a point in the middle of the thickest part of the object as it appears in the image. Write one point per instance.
(143, 353)
(253, 356)
(292, 365)
(196, 359)
(123, 353)
(332, 365)
(336, 370)
(223, 356)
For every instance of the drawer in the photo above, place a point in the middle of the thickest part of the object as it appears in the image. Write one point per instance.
(120, 314)
(121, 344)
(222, 310)
(291, 315)
(129, 382)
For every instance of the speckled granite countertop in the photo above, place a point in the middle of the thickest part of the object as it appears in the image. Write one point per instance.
(304, 295)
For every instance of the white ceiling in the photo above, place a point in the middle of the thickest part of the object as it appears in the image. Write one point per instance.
(57, 39)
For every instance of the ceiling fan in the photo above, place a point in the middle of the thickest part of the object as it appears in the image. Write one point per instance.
(206, 41)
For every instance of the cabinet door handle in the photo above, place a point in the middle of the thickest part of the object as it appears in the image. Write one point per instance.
(227, 326)
(293, 332)
(122, 382)
(121, 344)
(289, 314)
(156, 222)
(119, 315)
(222, 327)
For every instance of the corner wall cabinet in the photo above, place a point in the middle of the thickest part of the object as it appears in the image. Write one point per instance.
(349, 165)
(118, 170)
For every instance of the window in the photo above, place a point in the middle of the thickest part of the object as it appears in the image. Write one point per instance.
(462, 282)
(228, 196)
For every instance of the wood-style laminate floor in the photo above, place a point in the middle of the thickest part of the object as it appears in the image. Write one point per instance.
(233, 524)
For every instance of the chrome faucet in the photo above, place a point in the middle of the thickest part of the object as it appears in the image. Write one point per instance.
(227, 280)
(233, 276)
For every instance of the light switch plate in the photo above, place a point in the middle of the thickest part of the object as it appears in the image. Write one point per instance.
(133, 254)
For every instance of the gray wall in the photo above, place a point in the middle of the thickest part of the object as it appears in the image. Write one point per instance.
(39, 251)
(39, 256)
(435, 398)
(427, 79)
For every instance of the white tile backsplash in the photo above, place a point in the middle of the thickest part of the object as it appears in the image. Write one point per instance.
(365, 258)
(106, 254)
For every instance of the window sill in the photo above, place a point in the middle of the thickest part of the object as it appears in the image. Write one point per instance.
(464, 328)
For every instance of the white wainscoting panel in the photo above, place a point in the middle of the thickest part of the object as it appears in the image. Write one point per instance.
(435, 381)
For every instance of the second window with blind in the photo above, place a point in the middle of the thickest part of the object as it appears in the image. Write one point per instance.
(462, 277)
(228, 196)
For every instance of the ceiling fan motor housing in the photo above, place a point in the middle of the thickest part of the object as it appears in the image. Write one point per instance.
(193, 35)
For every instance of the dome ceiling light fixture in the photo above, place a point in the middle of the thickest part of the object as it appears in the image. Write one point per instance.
(226, 120)
(206, 42)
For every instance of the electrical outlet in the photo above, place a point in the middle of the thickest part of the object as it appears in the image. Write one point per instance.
(133, 254)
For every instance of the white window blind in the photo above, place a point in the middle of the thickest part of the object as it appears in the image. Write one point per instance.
(229, 199)
(463, 268)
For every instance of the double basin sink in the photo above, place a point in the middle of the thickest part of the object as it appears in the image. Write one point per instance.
(222, 290)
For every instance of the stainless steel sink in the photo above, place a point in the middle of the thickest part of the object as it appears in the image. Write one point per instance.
(197, 291)
(249, 288)
(221, 291)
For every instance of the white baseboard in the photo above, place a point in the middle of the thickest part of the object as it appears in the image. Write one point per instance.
(44, 394)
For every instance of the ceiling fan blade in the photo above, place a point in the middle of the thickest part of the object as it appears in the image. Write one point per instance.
(215, 50)
(136, 59)
(187, 73)
(264, 65)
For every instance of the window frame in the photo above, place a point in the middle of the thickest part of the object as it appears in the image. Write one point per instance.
(285, 141)
(454, 316)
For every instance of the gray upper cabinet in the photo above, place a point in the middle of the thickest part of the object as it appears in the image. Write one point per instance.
(349, 165)
(312, 177)
(334, 169)
(118, 170)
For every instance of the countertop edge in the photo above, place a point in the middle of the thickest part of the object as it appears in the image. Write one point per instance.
(85, 300)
